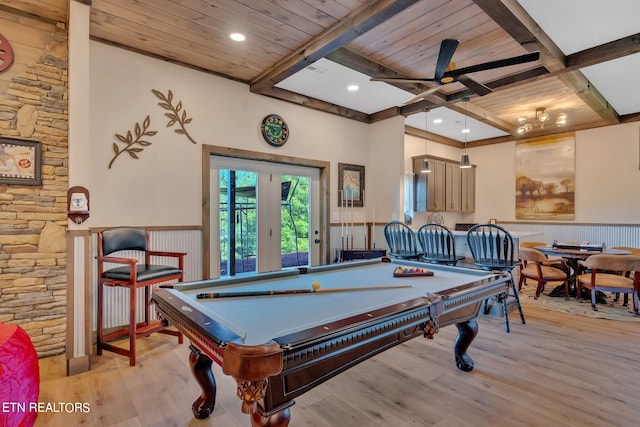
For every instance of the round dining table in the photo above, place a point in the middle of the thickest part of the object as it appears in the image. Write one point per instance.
(573, 254)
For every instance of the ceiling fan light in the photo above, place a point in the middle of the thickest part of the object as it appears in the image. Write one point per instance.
(464, 161)
(521, 130)
(543, 117)
(426, 167)
(522, 120)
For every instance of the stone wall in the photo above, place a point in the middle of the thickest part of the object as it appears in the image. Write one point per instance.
(33, 106)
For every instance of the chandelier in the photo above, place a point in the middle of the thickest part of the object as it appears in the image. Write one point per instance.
(541, 119)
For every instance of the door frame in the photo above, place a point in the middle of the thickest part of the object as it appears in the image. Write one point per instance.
(214, 150)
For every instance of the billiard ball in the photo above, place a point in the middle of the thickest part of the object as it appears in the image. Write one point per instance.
(315, 285)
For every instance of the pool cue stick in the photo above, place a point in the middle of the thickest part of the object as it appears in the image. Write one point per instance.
(366, 288)
(209, 295)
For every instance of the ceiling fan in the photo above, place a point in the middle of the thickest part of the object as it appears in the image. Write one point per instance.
(447, 73)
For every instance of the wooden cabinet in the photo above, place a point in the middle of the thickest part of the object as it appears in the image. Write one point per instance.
(468, 189)
(446, 188)
(429, 188)
(452, 186)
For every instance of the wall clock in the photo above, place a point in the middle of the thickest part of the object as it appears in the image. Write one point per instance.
(274, 130)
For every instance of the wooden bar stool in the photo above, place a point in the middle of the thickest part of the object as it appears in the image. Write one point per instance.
(132, 276)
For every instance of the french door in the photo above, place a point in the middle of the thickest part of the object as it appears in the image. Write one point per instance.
(267, 216)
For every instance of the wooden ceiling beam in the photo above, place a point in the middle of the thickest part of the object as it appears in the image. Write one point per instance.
(512, 17)
(357, 62)
(420, 133)
(478, 113)
(336, 36)
(316, 104)
(605, 52)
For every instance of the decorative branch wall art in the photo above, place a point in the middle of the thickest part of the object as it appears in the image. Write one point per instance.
(130, 141)
(174, 114)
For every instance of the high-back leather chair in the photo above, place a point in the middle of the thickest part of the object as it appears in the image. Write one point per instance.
(492, 249)
(133, 276)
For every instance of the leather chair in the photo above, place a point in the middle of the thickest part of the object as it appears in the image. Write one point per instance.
(133, 276)
(533, 267)
(492, 249)
(552, 261)
(632, 251)
(438, 244)
(607, 274)
(401, 240)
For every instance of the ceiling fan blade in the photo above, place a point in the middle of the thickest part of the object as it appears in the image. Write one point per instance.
(475, 86)
(423, 94)
(398, 80)
(447, 49)
(522, 59)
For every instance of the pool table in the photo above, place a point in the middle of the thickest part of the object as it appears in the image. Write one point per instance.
(279, 338)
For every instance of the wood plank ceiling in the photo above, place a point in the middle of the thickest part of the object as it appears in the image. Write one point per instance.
(376, 37)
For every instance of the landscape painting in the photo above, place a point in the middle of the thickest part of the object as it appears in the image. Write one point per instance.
(545, 179)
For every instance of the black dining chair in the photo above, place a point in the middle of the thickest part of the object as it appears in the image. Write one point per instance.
(402, 241)
(492, 249)
(438, 244)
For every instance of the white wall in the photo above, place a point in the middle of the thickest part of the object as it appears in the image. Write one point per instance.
(607, 176)
(163, 186)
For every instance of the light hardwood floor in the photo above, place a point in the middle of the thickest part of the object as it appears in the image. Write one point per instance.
(557, 370)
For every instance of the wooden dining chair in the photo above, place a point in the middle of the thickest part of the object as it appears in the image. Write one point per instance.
(401, 240)
(608, 275)
(533, 267)
(632, 251)
(492, 249)
(552, 261)
(438, 244)
(132, 275)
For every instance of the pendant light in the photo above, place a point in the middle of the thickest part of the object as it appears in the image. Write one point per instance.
(426, 167)
(464, 160)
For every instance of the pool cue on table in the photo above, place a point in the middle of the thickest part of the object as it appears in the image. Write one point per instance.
(207, 295)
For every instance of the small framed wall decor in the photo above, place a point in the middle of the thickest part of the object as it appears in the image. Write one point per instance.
(350, 185)
(274, 130)
(20, 162)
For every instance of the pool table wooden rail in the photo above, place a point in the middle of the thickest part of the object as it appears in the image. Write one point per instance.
(270, 376)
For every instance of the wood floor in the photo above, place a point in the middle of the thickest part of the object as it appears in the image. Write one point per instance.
(557, 370)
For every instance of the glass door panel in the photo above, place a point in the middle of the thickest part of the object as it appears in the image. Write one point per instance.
(238, 221)
(294, 217)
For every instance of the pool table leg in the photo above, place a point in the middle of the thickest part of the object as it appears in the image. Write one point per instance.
(467, 331)
(278, 419)
(201, 367)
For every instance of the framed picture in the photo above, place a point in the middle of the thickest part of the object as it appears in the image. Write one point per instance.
(545, 178)
(20, 162)
(350, 185)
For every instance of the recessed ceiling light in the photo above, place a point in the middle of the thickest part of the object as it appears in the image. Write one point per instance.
(466, 130)
(436, 121)
(237, 37)
(352, 88)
